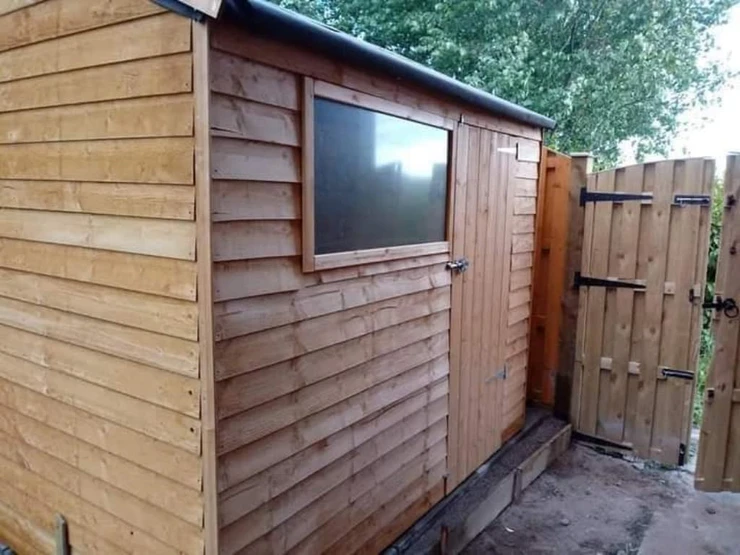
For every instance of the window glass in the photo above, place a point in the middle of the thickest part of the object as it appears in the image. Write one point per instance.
(380, 181)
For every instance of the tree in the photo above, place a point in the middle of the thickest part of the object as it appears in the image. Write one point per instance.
(606, 70)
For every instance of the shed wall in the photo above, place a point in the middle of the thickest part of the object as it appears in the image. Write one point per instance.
(99, 372)
(332, 386)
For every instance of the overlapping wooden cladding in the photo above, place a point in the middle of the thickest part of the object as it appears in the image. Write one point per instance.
(99, 374)
(332, 386)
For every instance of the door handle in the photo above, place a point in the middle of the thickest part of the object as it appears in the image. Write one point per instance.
(459, 266)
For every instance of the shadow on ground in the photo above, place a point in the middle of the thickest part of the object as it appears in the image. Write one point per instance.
(588, 502)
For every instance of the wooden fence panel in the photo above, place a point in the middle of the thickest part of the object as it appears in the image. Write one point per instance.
(638, 334)
(550, 280)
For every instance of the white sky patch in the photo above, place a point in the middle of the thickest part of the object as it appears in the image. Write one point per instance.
(418, 148)
(712, 131)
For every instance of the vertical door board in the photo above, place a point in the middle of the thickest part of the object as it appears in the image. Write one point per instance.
(482, 229)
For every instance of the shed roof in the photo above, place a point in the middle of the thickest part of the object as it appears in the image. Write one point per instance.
(262, 17)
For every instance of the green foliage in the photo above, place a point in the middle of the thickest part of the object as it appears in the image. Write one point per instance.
(707, 339)
(606, 71)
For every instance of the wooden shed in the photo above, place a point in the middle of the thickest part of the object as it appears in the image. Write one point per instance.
(236, 312)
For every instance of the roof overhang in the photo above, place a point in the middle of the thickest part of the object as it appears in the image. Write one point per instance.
(267, 19)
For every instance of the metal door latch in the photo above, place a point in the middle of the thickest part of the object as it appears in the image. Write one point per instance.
(727, 306)
(460, 265)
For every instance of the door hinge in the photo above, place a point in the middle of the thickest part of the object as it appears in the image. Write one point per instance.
(681, 454)
(602, 196)
(666, 372)
(691, 200)
(586, 281)
(730, 201)
(500, 375)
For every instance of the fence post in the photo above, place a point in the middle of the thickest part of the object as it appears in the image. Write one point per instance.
(581, 166)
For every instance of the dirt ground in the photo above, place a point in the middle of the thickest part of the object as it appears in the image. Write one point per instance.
(588, 503)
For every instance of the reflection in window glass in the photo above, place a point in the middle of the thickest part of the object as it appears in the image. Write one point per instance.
(380, 181)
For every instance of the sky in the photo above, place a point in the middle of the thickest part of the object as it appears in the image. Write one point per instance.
(714, 131)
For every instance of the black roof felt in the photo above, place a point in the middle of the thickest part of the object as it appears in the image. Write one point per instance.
(264, 18)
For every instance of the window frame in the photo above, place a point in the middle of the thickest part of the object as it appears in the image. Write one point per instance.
(313, 88)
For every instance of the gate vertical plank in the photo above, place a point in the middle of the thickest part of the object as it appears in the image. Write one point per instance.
(598, 266)
(658, 231)
(697, 312)
(637, 346)
(626, 268)
(610, 307)
(715, 470)
(458, 246)
(568, 395)
(583, 299)
(675, 344)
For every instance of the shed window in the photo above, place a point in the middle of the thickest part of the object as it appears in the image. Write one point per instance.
(379, 184)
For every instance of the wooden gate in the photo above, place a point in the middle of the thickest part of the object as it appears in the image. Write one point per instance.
(641, 283)
(484, 169)
(718, 465)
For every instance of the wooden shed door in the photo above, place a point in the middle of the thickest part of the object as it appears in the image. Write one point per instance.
(637, 342)
(481, 230)
(718, 465)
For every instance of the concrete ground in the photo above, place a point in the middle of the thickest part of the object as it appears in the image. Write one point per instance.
(588, 503)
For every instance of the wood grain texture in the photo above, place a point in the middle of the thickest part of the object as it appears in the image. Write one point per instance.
(255, 200)
(203, 184)
(165, 389)
(250, 352)
(249, 160)
(154, 76)
(160, 160)
(132, 272)
(100, 413)
(57, 18)
(555, 215)
(145, 38)
(332, 376)
(148, 312)
(265, 51)
(173, 428)
(159, 457)
(164, 238)
(664, 246)
(717, 467)
(236, 76)
(237, 118)
(148, 201)
(159, 116)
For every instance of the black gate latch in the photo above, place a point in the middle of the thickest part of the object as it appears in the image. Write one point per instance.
(727, 306)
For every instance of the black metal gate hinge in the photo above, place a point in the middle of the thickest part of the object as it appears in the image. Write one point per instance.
(692, 200)
(679, 199)
(666, 372)
(603, 196)
(585, 281)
